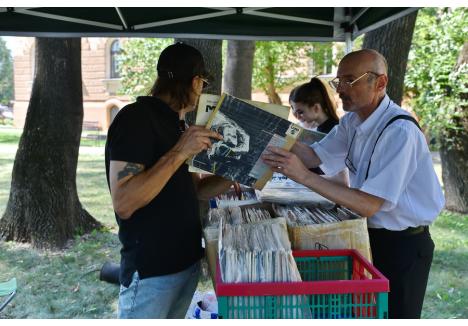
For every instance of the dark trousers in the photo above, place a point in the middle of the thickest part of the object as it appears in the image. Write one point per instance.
(405, 259)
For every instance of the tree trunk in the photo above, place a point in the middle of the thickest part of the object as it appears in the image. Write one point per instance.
(454, 154)
(238, 69)
(211, 51)
(393, 40)
(273, 97)
(270, 72)
(43, 207)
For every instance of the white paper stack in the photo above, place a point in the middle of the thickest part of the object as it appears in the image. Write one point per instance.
(258, 251)
(248, 196)
(282, 190)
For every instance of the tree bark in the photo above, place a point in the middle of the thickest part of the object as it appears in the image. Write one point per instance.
(454, 154)
(43, 207)
(393, 41)
(270, 87)
(273, 96)
(211, 51)
(238, 69)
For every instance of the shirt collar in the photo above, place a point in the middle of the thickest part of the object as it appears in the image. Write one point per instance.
(371, 122)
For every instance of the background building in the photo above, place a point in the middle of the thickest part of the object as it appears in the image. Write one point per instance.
(100, 80)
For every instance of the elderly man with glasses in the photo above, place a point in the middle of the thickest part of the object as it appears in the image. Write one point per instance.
(392, 179)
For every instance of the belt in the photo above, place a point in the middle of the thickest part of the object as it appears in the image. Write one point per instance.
(409, 231)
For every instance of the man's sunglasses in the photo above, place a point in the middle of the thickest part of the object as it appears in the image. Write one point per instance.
(205, 81)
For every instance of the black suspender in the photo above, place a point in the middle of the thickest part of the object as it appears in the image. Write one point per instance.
(397, 117)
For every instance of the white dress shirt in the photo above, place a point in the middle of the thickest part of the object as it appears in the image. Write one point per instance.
(401, 170)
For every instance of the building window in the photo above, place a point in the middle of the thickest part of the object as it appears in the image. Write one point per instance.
(113, 113)
(114, 59)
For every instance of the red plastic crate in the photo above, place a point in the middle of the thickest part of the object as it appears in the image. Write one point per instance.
(336, 284)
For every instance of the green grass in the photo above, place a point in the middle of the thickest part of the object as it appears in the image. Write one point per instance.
(65, 283)
(92, 188)
(447, 290)
(61, 284)
(11, 136)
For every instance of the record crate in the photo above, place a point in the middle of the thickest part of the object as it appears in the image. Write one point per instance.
(335, 284)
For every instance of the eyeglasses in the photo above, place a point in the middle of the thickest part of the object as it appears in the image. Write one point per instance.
(349, 164)
(205, 81)
(182, 126)
(337, 82)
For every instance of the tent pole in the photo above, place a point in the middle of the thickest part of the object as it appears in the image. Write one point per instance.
(349, 43)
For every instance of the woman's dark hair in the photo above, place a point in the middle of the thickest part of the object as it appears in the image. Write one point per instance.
(315, 91)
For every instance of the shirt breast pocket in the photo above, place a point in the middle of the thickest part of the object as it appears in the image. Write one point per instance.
(357, 179)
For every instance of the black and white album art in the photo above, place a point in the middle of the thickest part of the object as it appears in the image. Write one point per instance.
(235, 139)
(247, 131)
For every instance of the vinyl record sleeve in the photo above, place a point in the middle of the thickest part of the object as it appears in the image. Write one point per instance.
(247, 130)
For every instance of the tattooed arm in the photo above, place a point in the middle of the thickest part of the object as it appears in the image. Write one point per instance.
(132, 187)
(210, 186)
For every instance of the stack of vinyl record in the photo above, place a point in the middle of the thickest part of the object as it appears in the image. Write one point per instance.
(247, 196)
(236, 215)
(299, 216)
(282, 190)
(258, 251)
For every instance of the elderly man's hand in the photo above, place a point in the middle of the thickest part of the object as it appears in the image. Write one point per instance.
(305, 154)
(287, 163)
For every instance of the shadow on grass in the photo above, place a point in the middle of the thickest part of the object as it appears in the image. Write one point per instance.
(93, 190)
(88, 139)
(10, 139)
(61, 284)
(447, 287)
(456, 260)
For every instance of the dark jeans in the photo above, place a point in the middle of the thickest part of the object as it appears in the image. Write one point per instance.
(405, 260)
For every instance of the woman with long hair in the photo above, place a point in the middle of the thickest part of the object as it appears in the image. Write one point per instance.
(313, 104)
